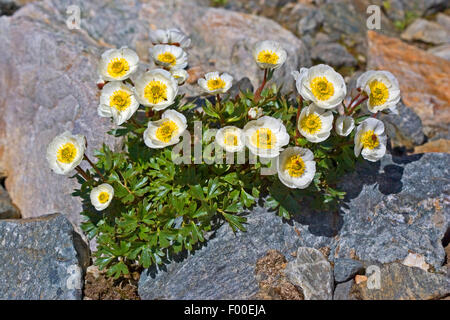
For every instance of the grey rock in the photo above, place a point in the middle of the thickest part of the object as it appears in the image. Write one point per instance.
(42, 259)
(333, 54)
(399, 282)
(310, 23)
(424, 7)
(48, 78)
(345, 269)
(442, 51)
(7, 209)
(405, 128)
(343, 291)
(225, 267)
(426, 31)
(443, 20)
(242, 85)
(395, 206)
(313, 273)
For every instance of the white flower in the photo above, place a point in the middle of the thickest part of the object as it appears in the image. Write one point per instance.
(101, 196)
(156, 88)
(167, 56)
(118, 64)
(269, 54)
(370, 137)
(170, 36)
(230, 138)
(213, 83)
(382, 88)
(265, 137)
(165, 132)
(296, 167)
(255, 113)
(117, 100)
(315, 123)
(344, 125)
(65, 152)
(180, 75)
(321, 85)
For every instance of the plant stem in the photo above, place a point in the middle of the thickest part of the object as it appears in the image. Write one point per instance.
(85, 157)
(357, 103)
(261, 87)
(133, 121)
(299, 109)
(83, 173)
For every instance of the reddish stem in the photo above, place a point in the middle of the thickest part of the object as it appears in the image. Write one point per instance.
(95, 167)
(83, 173)
(261, 87)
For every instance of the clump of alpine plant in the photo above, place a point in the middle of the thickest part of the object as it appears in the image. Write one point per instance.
(184, 166)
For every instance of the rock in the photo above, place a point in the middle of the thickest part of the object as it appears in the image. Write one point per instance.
(345, 269)
(347, 21)
(440, 145)
(8, 7)
(416, 260)
(426, 31)
(7, 209)
(399, 282)
(443, 20)
(360, 279)
(225, 267)
(49, 73)
(343, 291)
(45, 259)
(442, 51)
(394, 206)
(424, 7)
(242, 85)
(313, 273)
(273, 284)
(423, 78)
(310, 23)
(405, 128)
(333, 54)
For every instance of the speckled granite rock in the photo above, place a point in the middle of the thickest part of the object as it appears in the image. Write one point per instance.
(393, 206)
(225, 267)
(405, 128)
(399, 282)
(313, 273)
(42, 258)
(345, 269)
(7, 209)
(49, 73)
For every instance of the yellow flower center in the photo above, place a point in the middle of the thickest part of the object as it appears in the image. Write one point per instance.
(311, 123)
(103, 197)
(263, 138)
(166, 131)
(67, 153)
(230, 139)
(322, 88)
(120, 100)
(118, 67)
(295, 166)
(155, 92)
(215, 84)
(379, 93)
(267, 56)
(370, 140)
(167, 57)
